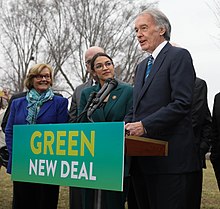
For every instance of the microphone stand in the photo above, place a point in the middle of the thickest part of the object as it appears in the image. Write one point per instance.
(94, 102)
(97, 103)
(89, 102)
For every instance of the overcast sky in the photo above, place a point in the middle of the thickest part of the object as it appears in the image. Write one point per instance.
(194, 27)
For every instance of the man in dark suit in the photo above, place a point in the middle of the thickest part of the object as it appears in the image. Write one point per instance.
(201, 122)
(201, 119)
(77, 93)
(76, 194)
(162, 102)
(215, 150)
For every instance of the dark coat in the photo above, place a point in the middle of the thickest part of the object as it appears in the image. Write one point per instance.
(201, 119)
(73, 112)
(5, 118)
(163, 105)
(215, 150)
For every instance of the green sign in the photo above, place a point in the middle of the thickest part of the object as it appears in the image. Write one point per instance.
(89, 155)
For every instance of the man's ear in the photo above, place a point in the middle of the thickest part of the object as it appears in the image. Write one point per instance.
(162, 31)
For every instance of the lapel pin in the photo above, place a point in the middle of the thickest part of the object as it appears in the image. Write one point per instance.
(114, 97)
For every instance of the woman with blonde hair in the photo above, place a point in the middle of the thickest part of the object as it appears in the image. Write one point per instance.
(39, 106)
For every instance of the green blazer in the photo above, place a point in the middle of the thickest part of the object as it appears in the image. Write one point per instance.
(118, 105)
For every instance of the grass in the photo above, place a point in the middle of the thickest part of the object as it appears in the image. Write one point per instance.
(210, 194)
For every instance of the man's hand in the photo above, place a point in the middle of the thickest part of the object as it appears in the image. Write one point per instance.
(135, 129)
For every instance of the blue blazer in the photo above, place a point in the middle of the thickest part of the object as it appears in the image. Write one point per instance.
(163, 104)
(52, 111)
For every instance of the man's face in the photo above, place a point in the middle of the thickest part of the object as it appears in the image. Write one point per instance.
(88, 57)
(148, 33)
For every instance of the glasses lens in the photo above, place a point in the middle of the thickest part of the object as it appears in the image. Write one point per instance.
(40, 77)
(107, 64)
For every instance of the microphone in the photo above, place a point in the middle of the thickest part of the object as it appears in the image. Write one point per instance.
(105, 85)
(97, 101)
(98, 94)
(91, 97)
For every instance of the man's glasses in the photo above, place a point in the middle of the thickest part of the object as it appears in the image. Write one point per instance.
(40, 77)
(100, 66)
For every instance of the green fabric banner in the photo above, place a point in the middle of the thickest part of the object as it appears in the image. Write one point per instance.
(89, 155)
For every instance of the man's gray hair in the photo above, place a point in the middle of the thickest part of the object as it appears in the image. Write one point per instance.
(160, 20)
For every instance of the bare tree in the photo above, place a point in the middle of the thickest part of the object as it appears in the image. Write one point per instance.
(59, 39)
(19, 39)
(107, 24)
(59, 31)
(216, 11)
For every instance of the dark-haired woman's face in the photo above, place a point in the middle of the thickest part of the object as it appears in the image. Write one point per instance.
(103, 69)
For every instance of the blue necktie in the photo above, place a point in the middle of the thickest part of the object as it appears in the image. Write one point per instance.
(149, 66)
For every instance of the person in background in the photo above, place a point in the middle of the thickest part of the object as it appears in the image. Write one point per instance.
(201, 122)
(77, 93)
(162, 99)
(114, 108)
(75, 193)
(39, 106)
(7, 111)
(3, 149)
(215, 139)
(201, 119)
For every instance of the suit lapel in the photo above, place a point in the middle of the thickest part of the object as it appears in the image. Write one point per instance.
(141, 75)
(154, 70)
(113, 97)
(25, 104)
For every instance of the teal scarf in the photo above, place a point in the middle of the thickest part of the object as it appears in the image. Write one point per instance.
(35, 101)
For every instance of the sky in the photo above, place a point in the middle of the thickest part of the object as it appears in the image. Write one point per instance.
(195, 27)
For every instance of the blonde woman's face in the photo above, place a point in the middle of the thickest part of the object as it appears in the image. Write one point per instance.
(42, 81)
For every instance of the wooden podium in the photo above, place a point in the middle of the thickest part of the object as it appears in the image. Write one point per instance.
(141, 146)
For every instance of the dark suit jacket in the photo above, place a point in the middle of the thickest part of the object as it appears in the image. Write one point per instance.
(215, 150)
(73, 112)
(163, 104)
(52, 111)
(201, 119)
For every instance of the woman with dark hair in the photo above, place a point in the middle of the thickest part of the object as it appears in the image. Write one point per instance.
(39, 106)
(114, 108)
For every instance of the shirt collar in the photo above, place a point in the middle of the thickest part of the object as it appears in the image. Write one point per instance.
(158, 49)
